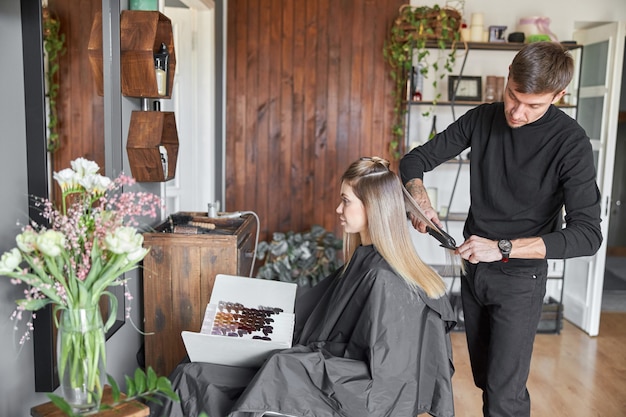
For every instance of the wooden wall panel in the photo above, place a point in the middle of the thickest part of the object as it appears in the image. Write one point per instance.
(308, 91)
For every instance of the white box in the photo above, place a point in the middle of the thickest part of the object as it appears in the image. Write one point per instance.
(242, 349)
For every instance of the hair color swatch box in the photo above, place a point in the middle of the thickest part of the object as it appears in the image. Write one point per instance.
(246, 319)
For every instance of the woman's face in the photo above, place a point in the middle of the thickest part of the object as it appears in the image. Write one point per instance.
(352, 213)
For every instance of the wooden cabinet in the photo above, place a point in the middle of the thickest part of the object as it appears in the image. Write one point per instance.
(178, 276)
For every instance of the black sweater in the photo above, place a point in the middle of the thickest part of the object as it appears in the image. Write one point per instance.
(521, 178)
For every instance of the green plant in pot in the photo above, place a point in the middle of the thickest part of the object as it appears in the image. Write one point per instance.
(414, 33)
(304, 258)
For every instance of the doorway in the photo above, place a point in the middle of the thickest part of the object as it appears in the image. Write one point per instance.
(193, 96)
(614, 289)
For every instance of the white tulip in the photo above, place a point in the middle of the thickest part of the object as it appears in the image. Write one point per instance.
(123, 240)
(84, 167)
(10, 261)
(95, 183)
(27, 240)
(66, 179)
(51, 243)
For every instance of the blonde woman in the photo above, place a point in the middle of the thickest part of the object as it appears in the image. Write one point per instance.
(369, 183)
(371, 339)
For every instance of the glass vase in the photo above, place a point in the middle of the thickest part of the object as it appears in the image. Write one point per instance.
(81, 358)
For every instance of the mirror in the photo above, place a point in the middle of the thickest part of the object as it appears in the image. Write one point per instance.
(37, 162)
(43, 339)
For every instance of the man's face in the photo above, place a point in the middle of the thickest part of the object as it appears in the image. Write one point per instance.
(521, 109)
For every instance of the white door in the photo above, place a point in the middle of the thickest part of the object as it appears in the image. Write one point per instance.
(193, 186)
(598, 106)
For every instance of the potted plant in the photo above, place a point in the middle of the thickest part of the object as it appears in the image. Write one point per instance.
(413, 34)
(304, 258)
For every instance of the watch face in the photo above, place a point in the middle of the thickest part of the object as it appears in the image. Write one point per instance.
(505, 245)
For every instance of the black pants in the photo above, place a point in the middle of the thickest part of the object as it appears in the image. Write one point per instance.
(502, 305)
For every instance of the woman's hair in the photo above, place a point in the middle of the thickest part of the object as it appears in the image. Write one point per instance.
(541, 68)
(386, 204)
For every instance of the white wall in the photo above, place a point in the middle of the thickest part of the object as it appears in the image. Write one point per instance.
(17, 384)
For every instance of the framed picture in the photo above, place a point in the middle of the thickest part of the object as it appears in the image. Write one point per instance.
(464, 88)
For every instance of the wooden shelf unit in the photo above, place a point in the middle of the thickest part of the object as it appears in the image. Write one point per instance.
(147, 131)
(141, 35)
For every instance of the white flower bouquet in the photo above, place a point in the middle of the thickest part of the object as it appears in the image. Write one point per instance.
(71, 261)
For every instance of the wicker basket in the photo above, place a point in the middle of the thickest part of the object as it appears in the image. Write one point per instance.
(429, 21)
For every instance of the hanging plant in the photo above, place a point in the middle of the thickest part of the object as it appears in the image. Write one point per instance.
(54, 46)
(413, 34)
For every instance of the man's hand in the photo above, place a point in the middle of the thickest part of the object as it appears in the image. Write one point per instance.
(415, 187)
(420, 225)
(478, 249)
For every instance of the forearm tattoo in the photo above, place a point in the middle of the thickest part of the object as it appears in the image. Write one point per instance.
(418, 191)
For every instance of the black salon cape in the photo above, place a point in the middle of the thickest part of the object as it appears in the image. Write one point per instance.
(365, 344)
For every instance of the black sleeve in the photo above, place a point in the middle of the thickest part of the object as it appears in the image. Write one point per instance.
(443, 147)
(582, 235)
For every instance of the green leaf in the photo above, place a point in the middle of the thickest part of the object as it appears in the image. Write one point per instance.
(115, 389)
(62, 405)
(33, 304)
(130, 386)
(105, 407)
(140, 381)
(153, 399)
(165, 386)
(152, 379)
(112, 310)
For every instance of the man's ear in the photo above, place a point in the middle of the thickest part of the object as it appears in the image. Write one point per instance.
(557, 96)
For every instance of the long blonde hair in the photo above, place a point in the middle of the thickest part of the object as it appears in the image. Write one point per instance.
(386, 204)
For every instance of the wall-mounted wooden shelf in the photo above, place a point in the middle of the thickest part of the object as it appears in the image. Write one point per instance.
(141, 35)
(148, 130)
